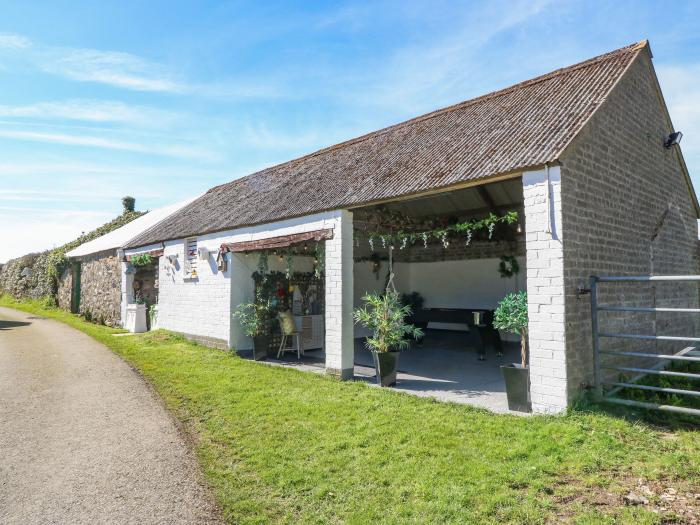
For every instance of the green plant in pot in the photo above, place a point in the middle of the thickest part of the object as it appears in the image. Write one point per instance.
(385, 315)
(511, 316)
(254, 319)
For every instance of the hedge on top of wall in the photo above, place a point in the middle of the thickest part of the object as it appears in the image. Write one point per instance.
(36, 275)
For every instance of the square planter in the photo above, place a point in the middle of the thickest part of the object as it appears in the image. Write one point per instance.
(260, 347)
(517, 380)
(386, 364)
(136, 318)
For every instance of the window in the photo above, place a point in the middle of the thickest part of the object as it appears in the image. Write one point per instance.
(190, 269)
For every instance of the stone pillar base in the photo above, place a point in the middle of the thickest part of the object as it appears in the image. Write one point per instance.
(346, 374)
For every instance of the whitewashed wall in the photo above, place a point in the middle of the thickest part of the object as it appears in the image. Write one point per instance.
(198, 307)
(203, 307)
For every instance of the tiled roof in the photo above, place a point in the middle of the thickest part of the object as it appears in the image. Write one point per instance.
(523, 126)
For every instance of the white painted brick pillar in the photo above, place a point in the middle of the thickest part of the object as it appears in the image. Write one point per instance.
(127, 283)
(340, 352)
(545, 288)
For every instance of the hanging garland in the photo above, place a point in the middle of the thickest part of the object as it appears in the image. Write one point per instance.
(467, 228)
(263, 265)
(319, 260)
(508, 266)
(289, 258)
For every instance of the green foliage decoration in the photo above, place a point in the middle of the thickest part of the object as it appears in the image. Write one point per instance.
(385, 315)
(508, 267)
(141, 259)
(254, 316)
(401, 238)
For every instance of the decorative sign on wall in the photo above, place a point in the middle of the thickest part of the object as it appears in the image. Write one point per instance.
(190, 266)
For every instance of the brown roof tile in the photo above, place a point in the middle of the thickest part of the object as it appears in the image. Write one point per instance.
(525, 125)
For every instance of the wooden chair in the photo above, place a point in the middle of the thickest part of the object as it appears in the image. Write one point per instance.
(289, 329)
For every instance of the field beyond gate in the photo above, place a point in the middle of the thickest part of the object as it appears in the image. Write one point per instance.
(656, 376)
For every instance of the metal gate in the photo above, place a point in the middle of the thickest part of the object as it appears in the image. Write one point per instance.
(601, 358)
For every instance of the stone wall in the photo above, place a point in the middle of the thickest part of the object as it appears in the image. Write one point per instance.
(25, 277)
(627, 210)
(100, 288)
(64, 295)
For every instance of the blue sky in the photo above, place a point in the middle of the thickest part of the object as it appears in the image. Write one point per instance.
(162, 100)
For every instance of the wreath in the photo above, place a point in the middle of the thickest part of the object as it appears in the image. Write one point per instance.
(508, 266)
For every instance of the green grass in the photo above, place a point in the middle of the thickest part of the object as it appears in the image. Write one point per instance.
(283, 446)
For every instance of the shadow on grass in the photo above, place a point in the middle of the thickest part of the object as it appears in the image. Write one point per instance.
(655, 419)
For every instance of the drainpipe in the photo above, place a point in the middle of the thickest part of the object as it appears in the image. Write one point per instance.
(546, 200)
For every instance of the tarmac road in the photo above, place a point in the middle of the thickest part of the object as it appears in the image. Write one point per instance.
(83, 439)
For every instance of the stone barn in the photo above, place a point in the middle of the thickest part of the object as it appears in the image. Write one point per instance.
(579, 154)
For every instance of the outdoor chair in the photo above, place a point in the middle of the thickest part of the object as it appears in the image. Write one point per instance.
(289, 329)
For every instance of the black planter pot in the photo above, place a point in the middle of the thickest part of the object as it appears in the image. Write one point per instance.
(260, 345)
(517, 380)
(386, 364)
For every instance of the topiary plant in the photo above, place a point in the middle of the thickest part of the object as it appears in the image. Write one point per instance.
(511, 316)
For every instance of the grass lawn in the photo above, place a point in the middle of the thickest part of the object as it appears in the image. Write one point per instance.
(283, 446)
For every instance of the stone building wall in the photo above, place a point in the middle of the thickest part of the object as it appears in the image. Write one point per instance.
(627, 210)
(64, 294)
(100, 288)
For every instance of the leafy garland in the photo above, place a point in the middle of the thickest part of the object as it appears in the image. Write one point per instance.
(402, 239)
(508, 266)
(141, 259)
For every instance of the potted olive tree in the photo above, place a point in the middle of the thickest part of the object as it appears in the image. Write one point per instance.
(511, 316)
(385, 315)
(254, 320)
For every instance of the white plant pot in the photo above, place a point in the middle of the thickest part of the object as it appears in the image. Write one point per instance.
(136, 318)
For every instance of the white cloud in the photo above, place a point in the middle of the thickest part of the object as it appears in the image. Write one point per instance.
(12, 41)
(168, 150)
(109, 67)
(92, 111)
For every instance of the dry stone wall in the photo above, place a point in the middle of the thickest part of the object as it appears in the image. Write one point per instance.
(100, 288)
(25, 277)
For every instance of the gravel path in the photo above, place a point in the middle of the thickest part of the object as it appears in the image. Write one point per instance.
(83, 439)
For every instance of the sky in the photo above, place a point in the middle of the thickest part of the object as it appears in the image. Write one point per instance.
(162, 100)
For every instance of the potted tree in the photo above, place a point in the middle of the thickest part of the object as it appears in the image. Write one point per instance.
(385, 315)
(254, 318)
(511, 316)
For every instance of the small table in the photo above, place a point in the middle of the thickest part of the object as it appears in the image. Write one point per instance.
(479, 336)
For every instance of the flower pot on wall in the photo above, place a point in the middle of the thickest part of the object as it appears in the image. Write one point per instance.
(260, 344)
(517, 380)
(386, 364)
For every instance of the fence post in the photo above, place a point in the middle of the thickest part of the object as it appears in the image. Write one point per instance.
(598, 388)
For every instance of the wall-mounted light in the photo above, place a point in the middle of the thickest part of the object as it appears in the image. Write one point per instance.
(673, 139)
(172, 258)
(203, 253)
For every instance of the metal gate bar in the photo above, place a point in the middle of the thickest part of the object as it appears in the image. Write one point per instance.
(688, 354)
